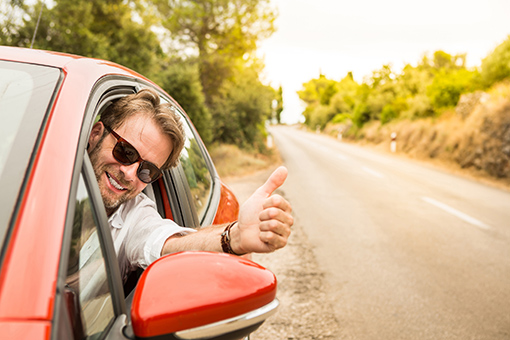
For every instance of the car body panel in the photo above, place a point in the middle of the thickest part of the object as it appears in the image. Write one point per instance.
(229, 206)
(16, 330)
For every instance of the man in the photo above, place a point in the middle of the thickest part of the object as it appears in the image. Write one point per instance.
(135, 138)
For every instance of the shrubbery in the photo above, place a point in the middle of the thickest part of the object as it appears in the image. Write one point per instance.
(434, 85)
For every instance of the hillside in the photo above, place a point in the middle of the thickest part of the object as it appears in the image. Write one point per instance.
(473, 139)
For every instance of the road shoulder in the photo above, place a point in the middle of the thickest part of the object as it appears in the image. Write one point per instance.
(305, 311)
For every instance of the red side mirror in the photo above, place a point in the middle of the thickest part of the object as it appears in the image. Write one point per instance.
(193, 294)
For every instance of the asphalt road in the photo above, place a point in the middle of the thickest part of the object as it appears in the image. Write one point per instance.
(409, 252)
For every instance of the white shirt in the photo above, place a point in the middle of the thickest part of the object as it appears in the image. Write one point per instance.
(139, 232)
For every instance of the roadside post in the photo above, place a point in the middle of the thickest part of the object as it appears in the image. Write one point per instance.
(393, 144)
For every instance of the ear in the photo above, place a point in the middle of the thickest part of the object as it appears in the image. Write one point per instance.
(95, 135)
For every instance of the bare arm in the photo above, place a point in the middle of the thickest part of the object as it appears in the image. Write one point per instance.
(264, 224)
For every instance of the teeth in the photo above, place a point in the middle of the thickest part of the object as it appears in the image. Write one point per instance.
(114, 182)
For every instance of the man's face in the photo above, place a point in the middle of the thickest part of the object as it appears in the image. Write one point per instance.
(119, 183)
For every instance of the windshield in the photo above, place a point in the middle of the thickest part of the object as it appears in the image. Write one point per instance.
(25, 95)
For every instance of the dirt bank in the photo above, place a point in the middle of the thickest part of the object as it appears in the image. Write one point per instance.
(473, 139)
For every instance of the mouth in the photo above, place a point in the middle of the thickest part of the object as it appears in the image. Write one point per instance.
(114, 183)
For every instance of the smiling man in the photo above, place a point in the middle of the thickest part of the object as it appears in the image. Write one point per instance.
(135, 139)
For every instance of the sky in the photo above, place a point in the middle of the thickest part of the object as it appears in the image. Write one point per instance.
(334, 37)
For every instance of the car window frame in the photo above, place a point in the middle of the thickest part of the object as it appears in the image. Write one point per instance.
(181, 184)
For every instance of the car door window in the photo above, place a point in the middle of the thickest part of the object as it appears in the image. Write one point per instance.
(86, 280)
(197, 173)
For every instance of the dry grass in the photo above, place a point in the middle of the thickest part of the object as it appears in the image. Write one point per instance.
(230, 161)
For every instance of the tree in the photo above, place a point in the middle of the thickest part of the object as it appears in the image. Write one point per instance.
(95, 28)
(318, 91)
(181, 81)
(11, 12)
(242, 108)
(220, 32)
(344, 101)
(279, 105)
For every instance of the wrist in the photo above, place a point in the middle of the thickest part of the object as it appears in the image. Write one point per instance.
(230, 239)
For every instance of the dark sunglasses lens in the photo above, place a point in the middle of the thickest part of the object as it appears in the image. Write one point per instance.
(125, 153)
(148, 172)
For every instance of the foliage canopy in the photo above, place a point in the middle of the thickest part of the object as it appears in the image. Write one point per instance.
(434, 85)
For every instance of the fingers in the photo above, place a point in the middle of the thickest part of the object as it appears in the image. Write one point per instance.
(274, 181)
(274, 234)
(275, 222)
(276, 214)
(278, 202)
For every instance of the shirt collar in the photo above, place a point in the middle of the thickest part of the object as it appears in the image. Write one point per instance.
(115, 219)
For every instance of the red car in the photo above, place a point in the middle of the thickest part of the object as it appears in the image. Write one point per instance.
(59, 276)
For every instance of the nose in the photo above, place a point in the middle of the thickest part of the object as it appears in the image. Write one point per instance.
(130, 171)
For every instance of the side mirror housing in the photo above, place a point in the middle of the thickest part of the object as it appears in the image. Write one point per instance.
(201, 295)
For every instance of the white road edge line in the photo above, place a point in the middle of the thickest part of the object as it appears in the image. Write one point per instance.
(372, 172)
(457, 213)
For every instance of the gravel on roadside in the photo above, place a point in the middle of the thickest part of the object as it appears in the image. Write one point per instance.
(305, 311)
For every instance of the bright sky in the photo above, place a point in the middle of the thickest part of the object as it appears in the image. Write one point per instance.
(338, 36)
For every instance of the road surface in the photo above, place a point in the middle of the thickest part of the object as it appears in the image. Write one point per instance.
(408, 252)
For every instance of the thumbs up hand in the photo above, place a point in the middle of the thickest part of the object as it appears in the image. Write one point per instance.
(264, 219)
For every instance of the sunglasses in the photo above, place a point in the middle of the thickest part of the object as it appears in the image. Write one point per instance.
(126, 154)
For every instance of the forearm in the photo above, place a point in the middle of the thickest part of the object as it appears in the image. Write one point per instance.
(205, 239)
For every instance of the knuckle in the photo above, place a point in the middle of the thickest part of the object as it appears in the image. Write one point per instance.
(273, 213)
(269, 237)
(277, 200)
(273, 225)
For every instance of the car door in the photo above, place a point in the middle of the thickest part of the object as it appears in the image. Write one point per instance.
(90, 296)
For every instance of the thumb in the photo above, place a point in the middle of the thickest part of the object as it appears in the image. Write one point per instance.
(274, 181)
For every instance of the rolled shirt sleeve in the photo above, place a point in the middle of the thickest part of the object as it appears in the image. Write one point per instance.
(139, 233)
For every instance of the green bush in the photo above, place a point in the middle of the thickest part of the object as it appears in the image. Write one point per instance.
(496, 66)
(388, 113)
(361, 115)
(341, 118)
(418, 107)
(319, 117)
(447, 87)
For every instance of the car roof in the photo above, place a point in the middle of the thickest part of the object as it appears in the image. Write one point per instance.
(64, 61)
